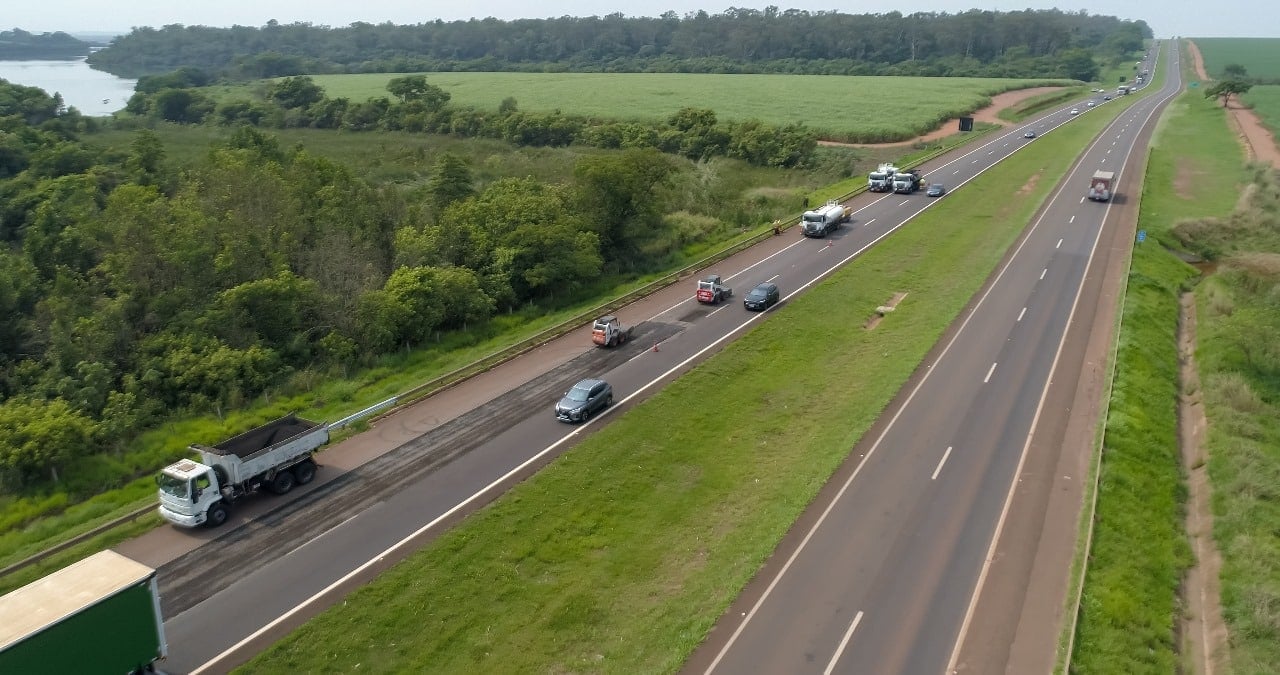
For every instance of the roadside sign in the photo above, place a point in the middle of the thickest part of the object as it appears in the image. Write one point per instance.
(1142, 236)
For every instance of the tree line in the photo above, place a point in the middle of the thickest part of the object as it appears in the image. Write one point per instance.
(20, 45)
(132, 292)
(1029, 43)
(421, 107)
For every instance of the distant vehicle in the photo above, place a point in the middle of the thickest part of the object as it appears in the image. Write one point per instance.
(1075, 111)
(585, 399)
(98, 615)
(1031, 133)
(1092, 103)
(936, 190)
(1107, 97)
(711, 290)
(276, 455)
(823, 221)
(1100, 185)
(607, 331)
(762, 297)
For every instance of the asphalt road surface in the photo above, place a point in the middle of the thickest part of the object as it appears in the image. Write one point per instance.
(379, 496)
(883, 573)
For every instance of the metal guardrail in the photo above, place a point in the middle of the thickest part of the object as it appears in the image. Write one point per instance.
(78, 539)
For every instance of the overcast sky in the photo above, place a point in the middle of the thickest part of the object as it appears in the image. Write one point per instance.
(1187, 18)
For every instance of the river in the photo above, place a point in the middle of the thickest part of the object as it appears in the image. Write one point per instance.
(90, 91)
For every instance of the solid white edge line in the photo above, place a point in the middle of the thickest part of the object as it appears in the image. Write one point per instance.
(831, 665)
(460, 505)
(929, 370)
(394, 547)
(1013, 485)
(942, 461)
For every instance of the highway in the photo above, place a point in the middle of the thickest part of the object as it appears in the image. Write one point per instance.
(936, 493)
(887, 570)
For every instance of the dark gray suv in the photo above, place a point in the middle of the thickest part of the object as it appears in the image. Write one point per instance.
(762, 297)
(585, 399)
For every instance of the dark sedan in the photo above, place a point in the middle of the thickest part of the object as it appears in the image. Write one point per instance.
(762, 297)
(936, 190)
(585, 399)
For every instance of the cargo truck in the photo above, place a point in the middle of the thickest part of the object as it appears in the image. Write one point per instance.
(99, 615)
(881, 180)
(906, 182)
(1100, 185)
(276, 455)
(823, 221)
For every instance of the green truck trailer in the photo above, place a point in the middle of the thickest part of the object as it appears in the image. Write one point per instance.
(99, 615)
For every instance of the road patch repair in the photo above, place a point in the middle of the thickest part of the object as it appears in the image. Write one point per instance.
(884, 309)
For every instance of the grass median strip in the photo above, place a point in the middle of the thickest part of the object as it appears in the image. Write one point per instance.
(621, 555)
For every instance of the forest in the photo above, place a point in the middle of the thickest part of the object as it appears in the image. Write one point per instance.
(976, 43)
(133, 292)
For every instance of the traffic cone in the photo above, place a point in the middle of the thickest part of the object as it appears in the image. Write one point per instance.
(655, 346)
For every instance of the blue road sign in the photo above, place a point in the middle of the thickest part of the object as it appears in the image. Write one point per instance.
(1142, 236)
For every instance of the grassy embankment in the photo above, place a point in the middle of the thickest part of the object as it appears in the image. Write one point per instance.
(621, 555)
(1129, 610)
(841, 108)
(1239, 360)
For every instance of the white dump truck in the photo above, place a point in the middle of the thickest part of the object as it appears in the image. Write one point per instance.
(881, 180)
(276, 455)
(906, 182)
(823, 221)
(1100, 185)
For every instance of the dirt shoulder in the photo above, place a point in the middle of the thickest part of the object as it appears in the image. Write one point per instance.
(1258, 141)
(989, 114)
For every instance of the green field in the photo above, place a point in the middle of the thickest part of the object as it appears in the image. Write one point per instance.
(1259, 56)
(1265, 100)
(838, 106)
(620, 555)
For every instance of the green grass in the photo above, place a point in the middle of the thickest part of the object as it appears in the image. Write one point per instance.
(620, 555)
(1265, 100)
(861, 109)
(1259, 56)
(1130, 608)
(1239, 361)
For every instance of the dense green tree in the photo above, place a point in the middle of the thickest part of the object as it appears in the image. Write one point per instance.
(450, 181)
(415, 88)
(37, 438)
(1234, 71)
(621, 197)
(295, 92)
(185, 106)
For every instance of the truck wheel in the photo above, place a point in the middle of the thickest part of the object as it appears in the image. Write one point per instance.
(216, 515)
(305, 472)
(282, 483)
